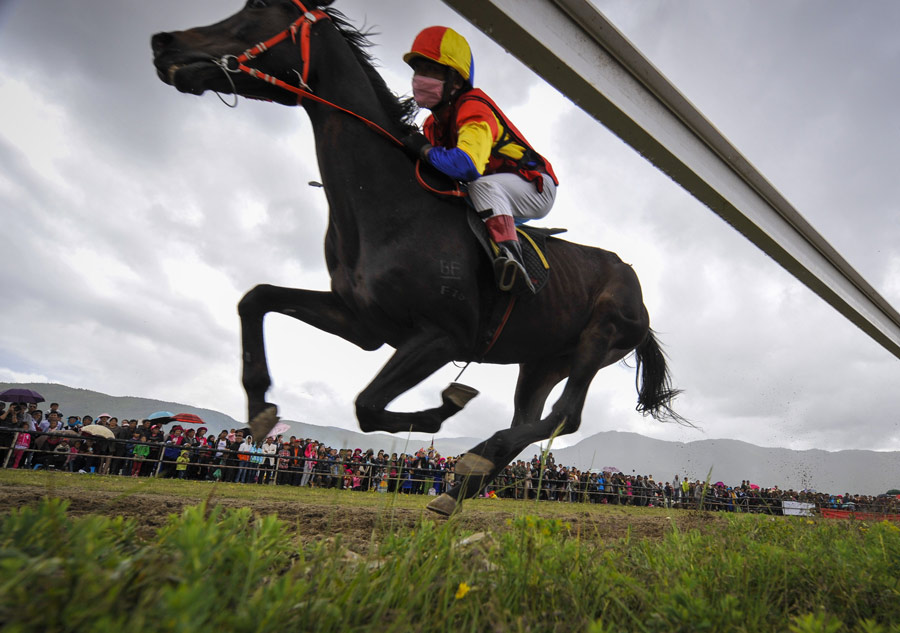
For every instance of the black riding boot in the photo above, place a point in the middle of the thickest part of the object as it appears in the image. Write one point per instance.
(509, 267)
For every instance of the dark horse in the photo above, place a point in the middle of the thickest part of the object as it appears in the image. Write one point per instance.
(405, 269)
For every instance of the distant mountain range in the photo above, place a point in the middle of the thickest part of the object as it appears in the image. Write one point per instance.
(731, 461)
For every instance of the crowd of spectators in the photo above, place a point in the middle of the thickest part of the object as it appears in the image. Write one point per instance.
(29, 439)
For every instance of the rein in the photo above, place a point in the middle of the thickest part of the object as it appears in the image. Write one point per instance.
(456, 192)
(233, 64)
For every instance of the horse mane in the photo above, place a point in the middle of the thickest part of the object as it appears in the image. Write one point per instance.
(402, 112)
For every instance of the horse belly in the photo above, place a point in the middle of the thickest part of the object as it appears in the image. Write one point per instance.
(590, 292)
(403, 300)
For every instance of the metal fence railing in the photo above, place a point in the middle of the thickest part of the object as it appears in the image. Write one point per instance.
(71, 452)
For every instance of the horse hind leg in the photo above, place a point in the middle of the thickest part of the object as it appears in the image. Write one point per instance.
(603, 343)
(536, 381)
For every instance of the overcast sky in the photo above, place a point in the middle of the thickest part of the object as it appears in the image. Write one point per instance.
(133, 217)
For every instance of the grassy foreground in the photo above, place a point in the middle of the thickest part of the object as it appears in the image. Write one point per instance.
(217, 569)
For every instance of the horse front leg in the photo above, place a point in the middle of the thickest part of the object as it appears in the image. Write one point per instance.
(414, 361)
(323, 310)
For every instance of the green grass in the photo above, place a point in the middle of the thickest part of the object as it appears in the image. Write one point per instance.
(54, 482)
(217, 569)
(51, 481)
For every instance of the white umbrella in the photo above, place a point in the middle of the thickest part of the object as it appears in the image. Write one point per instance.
(98, 430)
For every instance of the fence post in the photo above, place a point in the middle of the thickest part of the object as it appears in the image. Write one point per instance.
(162, 452)
(9, 452)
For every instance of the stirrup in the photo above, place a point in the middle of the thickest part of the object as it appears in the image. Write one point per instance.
(510, 273)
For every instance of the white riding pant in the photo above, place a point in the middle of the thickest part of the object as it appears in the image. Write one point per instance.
(510, 194)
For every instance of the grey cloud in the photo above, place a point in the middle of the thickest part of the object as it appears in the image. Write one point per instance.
(157, 173)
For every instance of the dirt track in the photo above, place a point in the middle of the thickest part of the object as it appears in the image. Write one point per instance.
(313, 519)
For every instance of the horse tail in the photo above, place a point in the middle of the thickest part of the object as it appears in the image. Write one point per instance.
(653, 383)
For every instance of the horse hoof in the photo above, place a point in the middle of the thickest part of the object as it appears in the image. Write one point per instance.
(263, 422)
(472, 465)
(458, 394)
(445, 505)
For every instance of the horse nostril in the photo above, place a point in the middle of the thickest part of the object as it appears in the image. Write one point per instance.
(160, 41)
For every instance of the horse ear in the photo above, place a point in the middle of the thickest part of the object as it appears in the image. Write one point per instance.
(324, 3)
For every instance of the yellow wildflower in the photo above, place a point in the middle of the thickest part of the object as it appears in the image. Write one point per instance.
(462, 590)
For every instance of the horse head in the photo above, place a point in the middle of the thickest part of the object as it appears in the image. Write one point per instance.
(205, 57)
(275, 50)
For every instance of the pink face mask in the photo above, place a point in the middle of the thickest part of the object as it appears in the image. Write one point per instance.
(427, 91)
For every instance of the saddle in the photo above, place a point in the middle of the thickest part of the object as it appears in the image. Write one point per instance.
(533, 240)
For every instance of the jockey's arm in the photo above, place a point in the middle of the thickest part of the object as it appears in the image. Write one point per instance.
(477, 130)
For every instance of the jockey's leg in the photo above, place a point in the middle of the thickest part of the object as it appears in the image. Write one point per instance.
(500, 199)
(509, 265)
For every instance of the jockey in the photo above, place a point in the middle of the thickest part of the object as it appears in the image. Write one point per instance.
(468, 138)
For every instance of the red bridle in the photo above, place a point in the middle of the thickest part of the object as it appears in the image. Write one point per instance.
(303, 25)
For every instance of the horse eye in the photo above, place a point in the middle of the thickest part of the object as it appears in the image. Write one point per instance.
(257, 4)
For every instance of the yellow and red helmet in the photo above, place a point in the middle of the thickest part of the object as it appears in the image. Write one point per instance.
(445, 46)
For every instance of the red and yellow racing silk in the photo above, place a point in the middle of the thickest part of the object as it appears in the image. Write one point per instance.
(474, 138)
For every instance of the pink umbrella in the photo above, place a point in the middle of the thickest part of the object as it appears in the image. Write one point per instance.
(754, 487)
(278, 429)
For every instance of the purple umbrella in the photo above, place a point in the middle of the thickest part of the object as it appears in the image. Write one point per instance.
(21, 395)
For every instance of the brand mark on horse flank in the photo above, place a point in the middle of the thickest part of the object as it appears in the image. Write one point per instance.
(451, 270)
(453, 292)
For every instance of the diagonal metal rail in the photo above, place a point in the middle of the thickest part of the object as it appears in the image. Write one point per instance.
(572, 46)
